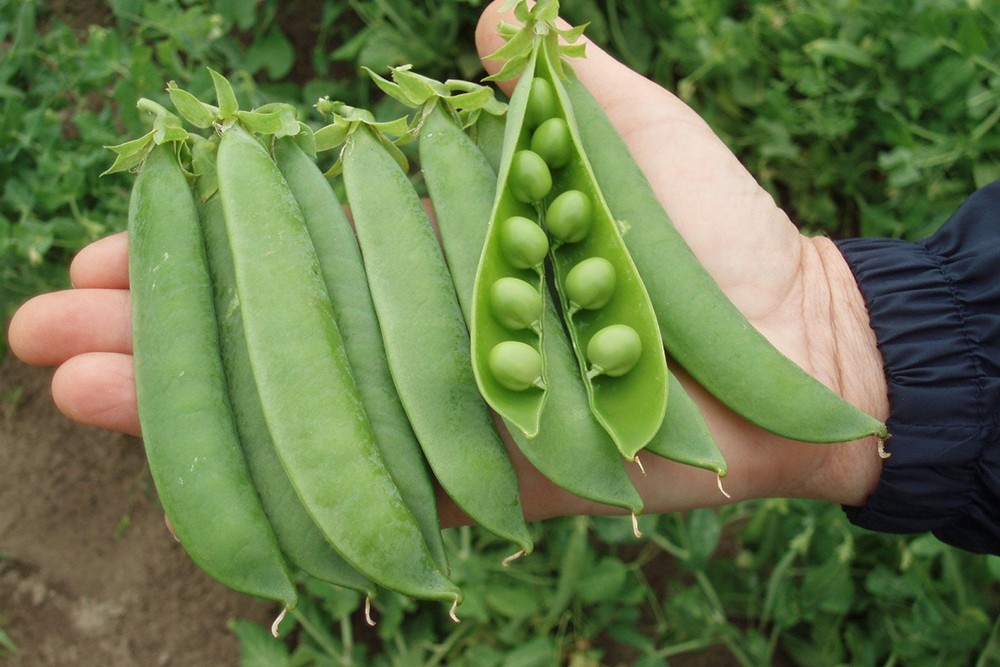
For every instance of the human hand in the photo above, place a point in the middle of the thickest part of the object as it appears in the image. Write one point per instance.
(798, 291)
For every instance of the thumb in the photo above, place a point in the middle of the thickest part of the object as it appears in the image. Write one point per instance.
(730, 222)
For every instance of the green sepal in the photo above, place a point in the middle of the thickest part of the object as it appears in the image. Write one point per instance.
(168, 128)
(192, 109)
(538, 22)
(408, 87)
(306, 139)
(203, 152)
(228, 104)
(510, 69)
(331, 136)
(275, 119)
(518, 43)
(131, 154)
(346, 119)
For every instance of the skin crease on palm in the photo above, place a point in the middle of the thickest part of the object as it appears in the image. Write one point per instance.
(798, 291)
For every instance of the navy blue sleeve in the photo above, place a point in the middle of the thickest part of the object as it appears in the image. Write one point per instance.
(935, 310)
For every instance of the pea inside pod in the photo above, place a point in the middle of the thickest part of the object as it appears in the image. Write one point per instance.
(530, 177)
(516, 304)
(570, 216)
(553, 142)
(523, 243)
(614, 350)
(516, 365)
(590, 284)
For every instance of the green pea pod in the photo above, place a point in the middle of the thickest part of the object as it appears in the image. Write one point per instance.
(426, 341)
(299, 537)
(187, 423)
(684, 436)
(616, 337)
(571, 449)
(344, 274)
(510, 251)
(489, 130)
(700, 326)
(307, 392)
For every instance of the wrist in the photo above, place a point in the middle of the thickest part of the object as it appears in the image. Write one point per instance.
(848, 472)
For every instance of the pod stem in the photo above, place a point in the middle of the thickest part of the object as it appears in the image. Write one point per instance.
(513, 557)
(882, 452)
(718, 480)
(368, 611)
(277, 622)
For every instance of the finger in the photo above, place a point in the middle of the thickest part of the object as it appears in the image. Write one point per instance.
(51, 328)
(730, 222)
(102, 264)
(98, 388)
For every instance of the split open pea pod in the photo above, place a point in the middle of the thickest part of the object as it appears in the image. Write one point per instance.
(607, 310)
(513, 254)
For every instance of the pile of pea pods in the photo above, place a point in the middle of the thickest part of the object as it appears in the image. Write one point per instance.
(303, 378)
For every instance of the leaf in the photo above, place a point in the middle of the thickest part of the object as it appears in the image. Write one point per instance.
(915, 50)
(703, 533)
(513, 601)
(604, 581)
(839, 49)
(273, 52)
(257, 647)
(7, 645)
(536, 652)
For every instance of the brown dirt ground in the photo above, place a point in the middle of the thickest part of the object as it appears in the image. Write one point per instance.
(89, 575)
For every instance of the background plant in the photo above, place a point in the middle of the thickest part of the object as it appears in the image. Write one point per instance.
(874, 118)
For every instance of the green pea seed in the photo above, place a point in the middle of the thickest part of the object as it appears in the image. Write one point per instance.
(522, 242)
(515, 303)
(552, 140)
(542, 103)
(591, 283)
(614, 350)
(515, 365)
(530, 179)
(568, 217)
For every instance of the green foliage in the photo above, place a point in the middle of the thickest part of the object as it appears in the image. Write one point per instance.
(772, 582)
(7, 645)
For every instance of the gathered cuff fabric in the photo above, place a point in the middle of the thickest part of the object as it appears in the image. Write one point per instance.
(934, 306)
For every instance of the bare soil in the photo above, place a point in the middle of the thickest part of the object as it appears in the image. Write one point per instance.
(89, 574)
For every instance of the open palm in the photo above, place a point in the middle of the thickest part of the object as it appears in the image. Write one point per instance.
(797, 291)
